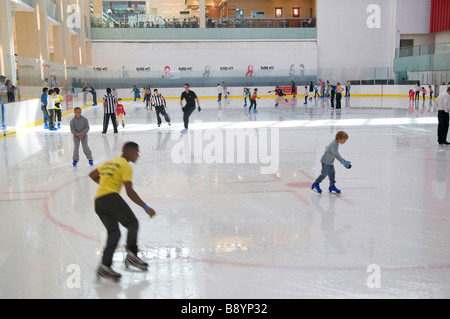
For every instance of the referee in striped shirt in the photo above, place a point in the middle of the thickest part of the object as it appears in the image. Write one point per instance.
(159, 103)
(110, 106)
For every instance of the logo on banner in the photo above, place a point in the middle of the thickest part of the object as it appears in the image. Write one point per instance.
(167, 74)
(249, 71)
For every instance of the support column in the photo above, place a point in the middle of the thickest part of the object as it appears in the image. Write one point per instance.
(98, 8)
(7, 60)
(202, 13)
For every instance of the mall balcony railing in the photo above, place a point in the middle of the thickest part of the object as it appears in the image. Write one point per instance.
(428, 49)
(424, 63)
(146, 21)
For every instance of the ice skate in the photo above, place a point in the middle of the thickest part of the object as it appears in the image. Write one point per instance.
(74, 163)
(334, 189)
(135, 261)
(91, 162)
(107, 273)
(316, 187)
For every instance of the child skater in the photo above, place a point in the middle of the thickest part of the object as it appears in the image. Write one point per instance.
(120, 111)
(51, 100)
(431, 91)
(58, 107)
(79, 127)
(306, 95)
(424, 92)
(332, 96)
(137, 93)
(253, 101)
(316, 91)
(247, 94)
(44, 102)
(280, 94)
(331, 153)
(411, 95)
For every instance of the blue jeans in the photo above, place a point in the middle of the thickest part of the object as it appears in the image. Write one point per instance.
(327, 170)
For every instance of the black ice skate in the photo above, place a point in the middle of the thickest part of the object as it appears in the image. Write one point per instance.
(106, 272)
(135, 261)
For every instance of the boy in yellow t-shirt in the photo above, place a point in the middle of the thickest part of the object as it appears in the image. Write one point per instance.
(112, 209)
(58, 107)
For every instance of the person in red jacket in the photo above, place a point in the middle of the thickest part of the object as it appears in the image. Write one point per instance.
(120, 112)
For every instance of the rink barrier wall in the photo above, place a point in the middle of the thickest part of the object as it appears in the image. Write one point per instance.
(237, 92)
(18, 116)
(25, 114)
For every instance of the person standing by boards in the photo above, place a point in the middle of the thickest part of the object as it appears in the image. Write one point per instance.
(339, 89)
(443, 106)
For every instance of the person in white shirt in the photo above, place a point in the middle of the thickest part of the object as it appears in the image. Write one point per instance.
(51, 100)
(443, 106)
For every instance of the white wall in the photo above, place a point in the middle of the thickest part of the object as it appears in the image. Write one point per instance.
(345, 41)
(413, 17)
(197, 55)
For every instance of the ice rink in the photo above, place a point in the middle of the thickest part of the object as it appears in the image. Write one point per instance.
(225, 227)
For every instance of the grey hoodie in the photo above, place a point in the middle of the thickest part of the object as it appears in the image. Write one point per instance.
(79, 125)
(331, 153)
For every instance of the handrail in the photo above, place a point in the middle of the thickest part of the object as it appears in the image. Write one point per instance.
(149, 21)
(427, 49)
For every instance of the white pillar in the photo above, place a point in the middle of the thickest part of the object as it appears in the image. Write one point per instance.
(7, 58)
(202, 12)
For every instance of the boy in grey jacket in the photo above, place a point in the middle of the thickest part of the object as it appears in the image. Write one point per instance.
(79, 126)
(331, 153)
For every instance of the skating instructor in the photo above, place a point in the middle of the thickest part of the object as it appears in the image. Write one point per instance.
(190, 98)
(112, 209)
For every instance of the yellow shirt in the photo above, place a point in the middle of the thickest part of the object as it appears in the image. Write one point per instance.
(113, 173)
(59, 100)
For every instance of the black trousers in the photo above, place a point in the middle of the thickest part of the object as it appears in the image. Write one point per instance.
(106, 118)
(338, 100)
(443, 119)
(187, 110)
(112, 210)
(161, 110)
(252, 104)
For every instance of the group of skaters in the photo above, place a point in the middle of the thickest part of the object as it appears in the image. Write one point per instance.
(414, 94)
(116, 173)
(320, 90)
(327, 90)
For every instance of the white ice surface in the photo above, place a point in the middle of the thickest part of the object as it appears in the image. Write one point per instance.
(224, 230)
